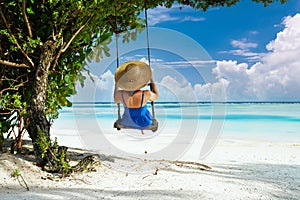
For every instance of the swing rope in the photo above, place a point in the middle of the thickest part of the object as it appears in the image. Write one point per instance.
(117, 55)
(117, 52)
(147, 33)
(148, 51)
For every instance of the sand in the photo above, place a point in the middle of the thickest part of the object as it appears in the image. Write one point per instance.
(240, 169)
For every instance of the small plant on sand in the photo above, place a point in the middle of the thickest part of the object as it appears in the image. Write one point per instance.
(16, 174)
(60, 158)
(42, 142)
(54, 155)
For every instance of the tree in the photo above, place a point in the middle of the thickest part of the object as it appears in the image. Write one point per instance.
(43, 45)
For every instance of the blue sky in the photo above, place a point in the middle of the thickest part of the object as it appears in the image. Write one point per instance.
(216, 29)
(243, 53)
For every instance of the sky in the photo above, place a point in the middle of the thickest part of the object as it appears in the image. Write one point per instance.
(243, 53)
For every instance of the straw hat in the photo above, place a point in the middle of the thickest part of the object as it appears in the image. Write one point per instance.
(132, 75)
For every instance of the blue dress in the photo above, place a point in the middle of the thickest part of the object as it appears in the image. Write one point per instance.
(137, 118)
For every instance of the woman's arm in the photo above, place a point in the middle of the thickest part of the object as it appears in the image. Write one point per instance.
(154, 92)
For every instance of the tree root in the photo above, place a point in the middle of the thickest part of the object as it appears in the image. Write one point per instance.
(87, 164)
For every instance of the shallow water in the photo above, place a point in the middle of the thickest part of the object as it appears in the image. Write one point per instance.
(270, 121)
(191, 129)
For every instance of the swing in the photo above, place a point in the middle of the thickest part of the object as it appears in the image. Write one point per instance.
(154, 126)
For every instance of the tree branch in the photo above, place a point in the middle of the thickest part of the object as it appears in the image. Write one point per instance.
(11, 110)
(64, 48)
(15, 88)
(12, 64)
(6, 89)
(25, 18)
(4, 78)
(56, 57)
(73, 37)
(5, 113)
(15, 40)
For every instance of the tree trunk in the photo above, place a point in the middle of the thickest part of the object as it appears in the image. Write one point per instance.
(39, 125)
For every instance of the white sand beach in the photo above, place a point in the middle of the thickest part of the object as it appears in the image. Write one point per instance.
(240, 169)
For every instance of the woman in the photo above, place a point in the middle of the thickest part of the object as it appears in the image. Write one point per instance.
(130, 77)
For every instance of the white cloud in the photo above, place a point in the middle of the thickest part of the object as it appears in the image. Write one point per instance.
(162, 14)
(211, 91)
(98, 90)
(244, 48)
(105, 82)
(188, 63)
(191, 19)
(158, 15)
(243, 44)
(288, 39)
(176, 90)
(253, 32)
(245, 53)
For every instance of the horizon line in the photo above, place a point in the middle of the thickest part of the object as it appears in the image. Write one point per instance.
(196, 102)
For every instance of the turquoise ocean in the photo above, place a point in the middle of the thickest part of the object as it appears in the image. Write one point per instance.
(263, 121)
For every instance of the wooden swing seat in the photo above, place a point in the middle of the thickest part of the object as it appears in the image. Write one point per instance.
(153, 127)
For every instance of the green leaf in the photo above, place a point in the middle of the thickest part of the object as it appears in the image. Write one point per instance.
(81, 79)
(133, 35)
(30, 11)
(55, 14)
(107, 54)
(68, 78)
(12, 3)
(98, 56)
(87, 39)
